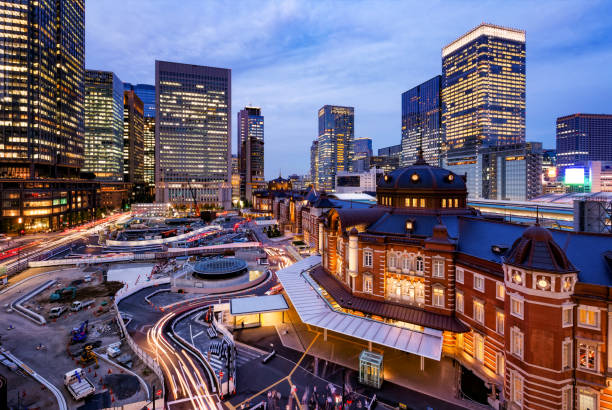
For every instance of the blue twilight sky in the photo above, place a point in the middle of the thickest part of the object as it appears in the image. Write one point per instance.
(292, 57)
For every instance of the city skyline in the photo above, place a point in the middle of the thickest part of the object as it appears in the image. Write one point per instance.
(369, 72)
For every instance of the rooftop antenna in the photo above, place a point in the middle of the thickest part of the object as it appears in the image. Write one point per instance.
(537, 215)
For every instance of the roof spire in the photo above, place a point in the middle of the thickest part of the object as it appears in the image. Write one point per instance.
(420, 159)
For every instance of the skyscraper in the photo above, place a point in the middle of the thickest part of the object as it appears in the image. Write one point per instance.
(314, 163)
(41, 116)
(483, 95)
(250, 151)
(582, 138)
(388, 158)
(133, 138)
(335, 150)
(192, 132)
(104, 125)
(422, 123)
(235, 180)
(146, 93)
(362, 149)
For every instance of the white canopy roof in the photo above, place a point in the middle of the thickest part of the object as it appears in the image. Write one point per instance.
(258, 304)
(315, 311)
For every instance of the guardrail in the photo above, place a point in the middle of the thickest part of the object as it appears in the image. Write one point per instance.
(61, 401)
(129, 256)
(142, 355)
(163, 240)
(196, 352)
(17, 306)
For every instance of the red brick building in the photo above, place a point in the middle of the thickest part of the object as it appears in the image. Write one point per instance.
(527, 310)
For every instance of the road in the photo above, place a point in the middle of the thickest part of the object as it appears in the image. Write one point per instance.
(31, 246)
(187, 381)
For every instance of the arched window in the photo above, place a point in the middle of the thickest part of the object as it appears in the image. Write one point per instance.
(420, 292)
(392, 261)
(411, 292)
(420, 265)
(406, 262)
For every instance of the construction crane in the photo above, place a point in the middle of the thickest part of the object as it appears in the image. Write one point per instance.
(195, 201)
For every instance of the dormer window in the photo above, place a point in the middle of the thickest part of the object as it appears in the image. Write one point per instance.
(415, 178)
(409, 225)
(450, 178)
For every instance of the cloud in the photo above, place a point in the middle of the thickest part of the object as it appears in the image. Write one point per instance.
(292, 57)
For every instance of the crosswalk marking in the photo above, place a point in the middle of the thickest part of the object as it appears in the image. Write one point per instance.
(244, 355)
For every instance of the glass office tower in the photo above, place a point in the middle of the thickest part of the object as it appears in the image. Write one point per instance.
(192, 132)
(42, 96)
(335, 150)
(483, 95)
(146, 93)
(250, 151)
(104, 125)
(422, 123)
(133, 138)
(362, 148)
(582, 138)
(314, 163)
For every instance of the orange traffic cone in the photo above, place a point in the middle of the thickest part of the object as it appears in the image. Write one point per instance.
(110, 371)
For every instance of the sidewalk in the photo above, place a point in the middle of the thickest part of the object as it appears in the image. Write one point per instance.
(438, 379)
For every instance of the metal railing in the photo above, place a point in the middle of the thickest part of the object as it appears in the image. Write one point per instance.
(150, 362)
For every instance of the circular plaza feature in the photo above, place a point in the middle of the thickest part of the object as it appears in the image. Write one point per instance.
(219, 268)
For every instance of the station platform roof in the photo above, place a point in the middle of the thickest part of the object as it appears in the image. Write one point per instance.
(258, 304)
(315, 311)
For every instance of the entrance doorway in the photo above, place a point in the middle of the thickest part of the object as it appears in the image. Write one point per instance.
(473, 387)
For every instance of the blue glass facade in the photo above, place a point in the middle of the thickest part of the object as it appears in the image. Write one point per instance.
(335, 150)
(582, 138)
(146, 93)
(422, 122)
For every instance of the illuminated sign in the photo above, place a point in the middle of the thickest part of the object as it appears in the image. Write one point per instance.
(574, 176)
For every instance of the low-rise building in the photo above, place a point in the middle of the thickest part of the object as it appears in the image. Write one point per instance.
(525, 309)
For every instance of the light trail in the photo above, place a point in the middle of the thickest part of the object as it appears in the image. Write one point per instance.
(180, 371)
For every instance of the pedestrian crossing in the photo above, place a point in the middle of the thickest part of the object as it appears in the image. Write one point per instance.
(216, 363)
(244, 355)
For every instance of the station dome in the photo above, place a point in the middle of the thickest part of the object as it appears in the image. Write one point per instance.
(537, 250)
(422, 186)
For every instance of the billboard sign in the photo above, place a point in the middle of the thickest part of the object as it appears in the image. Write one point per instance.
(574, 176)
